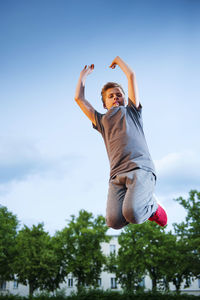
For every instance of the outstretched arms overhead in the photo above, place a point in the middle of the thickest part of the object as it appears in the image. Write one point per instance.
(86, 107)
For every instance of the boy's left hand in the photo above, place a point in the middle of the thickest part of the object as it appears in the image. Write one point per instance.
(114, 62)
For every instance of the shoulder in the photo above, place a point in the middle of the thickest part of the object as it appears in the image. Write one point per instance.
(98, 115)
(135, 109)
(98, 120)
(131, 104)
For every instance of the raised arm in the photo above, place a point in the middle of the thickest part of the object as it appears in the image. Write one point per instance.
(85, 106)
(132, 84)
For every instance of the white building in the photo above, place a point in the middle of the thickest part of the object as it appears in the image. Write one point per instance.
(107, 280)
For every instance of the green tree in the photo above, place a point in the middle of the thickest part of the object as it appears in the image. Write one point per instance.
(154, 251)
(8, 233)
(167, 252)
(175, 262)
(191, 227)
(144, 249)
(36, 263)
(128, 264)
(188, 233)
(180, 268)
(167, 257)
(80, 246)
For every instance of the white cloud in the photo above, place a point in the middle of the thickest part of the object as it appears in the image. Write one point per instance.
(53, 200)
(20, 159)
(178, 172)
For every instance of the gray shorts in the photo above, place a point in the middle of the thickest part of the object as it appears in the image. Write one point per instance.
(131, 198)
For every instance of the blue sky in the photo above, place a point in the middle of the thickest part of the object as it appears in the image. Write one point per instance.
(52, 163)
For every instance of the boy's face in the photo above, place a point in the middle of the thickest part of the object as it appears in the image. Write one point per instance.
(114, 98)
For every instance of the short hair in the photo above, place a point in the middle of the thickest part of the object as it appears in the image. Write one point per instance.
(107, 86)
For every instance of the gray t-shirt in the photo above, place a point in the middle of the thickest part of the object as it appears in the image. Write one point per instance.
(122, 130)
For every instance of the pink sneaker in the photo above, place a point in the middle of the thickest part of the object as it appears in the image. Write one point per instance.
(160, 216)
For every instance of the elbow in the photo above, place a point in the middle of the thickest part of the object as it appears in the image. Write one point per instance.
(77, 99)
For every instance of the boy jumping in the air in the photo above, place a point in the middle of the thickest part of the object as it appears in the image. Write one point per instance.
(132, 172)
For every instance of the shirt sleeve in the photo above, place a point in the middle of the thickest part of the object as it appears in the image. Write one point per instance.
(98, 118)
(135, 113)
(137, 110)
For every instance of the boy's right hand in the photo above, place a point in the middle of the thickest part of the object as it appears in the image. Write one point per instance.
(86, 71)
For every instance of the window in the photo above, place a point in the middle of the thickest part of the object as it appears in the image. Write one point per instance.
(142, 283)
(99, 282)
(15, 284)
(112, 249)
(70, 282)
(113, 283)
(3, 285)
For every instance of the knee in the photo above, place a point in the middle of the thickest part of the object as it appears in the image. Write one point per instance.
(114, 223)
(137, 219)
(132, 216)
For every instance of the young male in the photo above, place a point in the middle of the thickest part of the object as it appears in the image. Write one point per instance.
(132, 172)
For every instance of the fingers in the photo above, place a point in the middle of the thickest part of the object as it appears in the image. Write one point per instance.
(113, 66)
(91, 67)
(85, 68)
